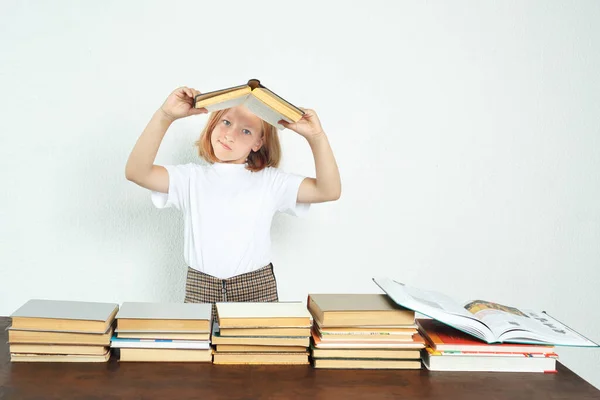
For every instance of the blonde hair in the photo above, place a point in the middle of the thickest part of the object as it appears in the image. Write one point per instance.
(268, 155)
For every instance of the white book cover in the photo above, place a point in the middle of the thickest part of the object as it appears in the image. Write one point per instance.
(293, 309)
(179, 311)
(65, 309)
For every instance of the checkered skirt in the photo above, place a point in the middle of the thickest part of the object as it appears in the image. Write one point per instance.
(256, 286)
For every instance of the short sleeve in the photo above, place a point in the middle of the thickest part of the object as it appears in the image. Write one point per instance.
(179, 188)
(285, 188)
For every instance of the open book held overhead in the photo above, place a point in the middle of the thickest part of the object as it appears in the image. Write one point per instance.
(490, 322)
(257, 98)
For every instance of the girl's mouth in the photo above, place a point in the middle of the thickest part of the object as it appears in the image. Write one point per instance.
(224, 145)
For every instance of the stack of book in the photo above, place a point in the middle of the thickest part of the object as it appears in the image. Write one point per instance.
(61, 331)
(262, 333)
(496, 337)
(363, 331)
(452, 350)
(167, 332)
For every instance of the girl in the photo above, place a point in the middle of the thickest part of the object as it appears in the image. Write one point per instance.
(229, 203)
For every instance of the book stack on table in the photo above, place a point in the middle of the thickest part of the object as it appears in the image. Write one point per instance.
(262, 333)
(452, 350)
(61, 331)
(164, 332)
(363, 331)
(352, 331)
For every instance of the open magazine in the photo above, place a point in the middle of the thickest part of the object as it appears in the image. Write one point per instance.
(490, 322)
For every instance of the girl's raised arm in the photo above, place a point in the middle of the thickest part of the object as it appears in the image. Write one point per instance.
(140, 166)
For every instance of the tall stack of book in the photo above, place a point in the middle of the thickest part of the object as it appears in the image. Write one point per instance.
(61, 331)
(262, 333)
(167, 332)
(363, 331)
(452, 350)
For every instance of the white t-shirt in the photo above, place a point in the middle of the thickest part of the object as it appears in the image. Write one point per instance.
(228, 212)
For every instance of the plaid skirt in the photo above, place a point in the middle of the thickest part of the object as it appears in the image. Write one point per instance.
(255, 286)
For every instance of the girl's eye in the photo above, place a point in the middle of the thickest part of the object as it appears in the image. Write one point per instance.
(246, 131)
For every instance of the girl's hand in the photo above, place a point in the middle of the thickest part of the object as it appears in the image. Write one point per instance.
(308, 126)
(180, 104)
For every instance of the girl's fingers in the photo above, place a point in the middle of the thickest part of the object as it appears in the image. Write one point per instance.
(182, 93)
(196, 111)
(190, 92)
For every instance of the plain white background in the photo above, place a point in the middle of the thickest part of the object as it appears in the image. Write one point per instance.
(467, 136)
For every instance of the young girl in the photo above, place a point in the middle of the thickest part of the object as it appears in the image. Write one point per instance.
(228, 204)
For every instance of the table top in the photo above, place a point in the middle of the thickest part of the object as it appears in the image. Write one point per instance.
(114, 380)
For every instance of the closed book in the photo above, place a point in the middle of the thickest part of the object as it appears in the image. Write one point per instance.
(59, 358)
(437, 361)
(48, 337)
(64, 316)
(243, 348)
(343, 363)
(360, 336)
(159, 343)
(384, 354)
(335, 310)
(265, 331)
(260, 358)
(165, 355)
(303, 341)
(368, 330)
(172, 317)
(263, 315)
(163, 335)
(58, 349)
(416, 343)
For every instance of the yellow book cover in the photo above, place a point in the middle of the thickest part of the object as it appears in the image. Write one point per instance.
(261, 101)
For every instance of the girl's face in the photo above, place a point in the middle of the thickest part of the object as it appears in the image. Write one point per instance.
(237, 133)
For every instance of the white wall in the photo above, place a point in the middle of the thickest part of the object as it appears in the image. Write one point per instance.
(467, 135)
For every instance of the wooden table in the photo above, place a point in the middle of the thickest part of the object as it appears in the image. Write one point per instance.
(114, 380)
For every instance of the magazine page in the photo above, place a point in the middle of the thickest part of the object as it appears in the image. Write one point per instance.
(498, 317)
(435, 305)
(510, 324)
(543, 327)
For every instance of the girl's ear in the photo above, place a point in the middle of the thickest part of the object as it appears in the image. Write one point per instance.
(257, 145)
